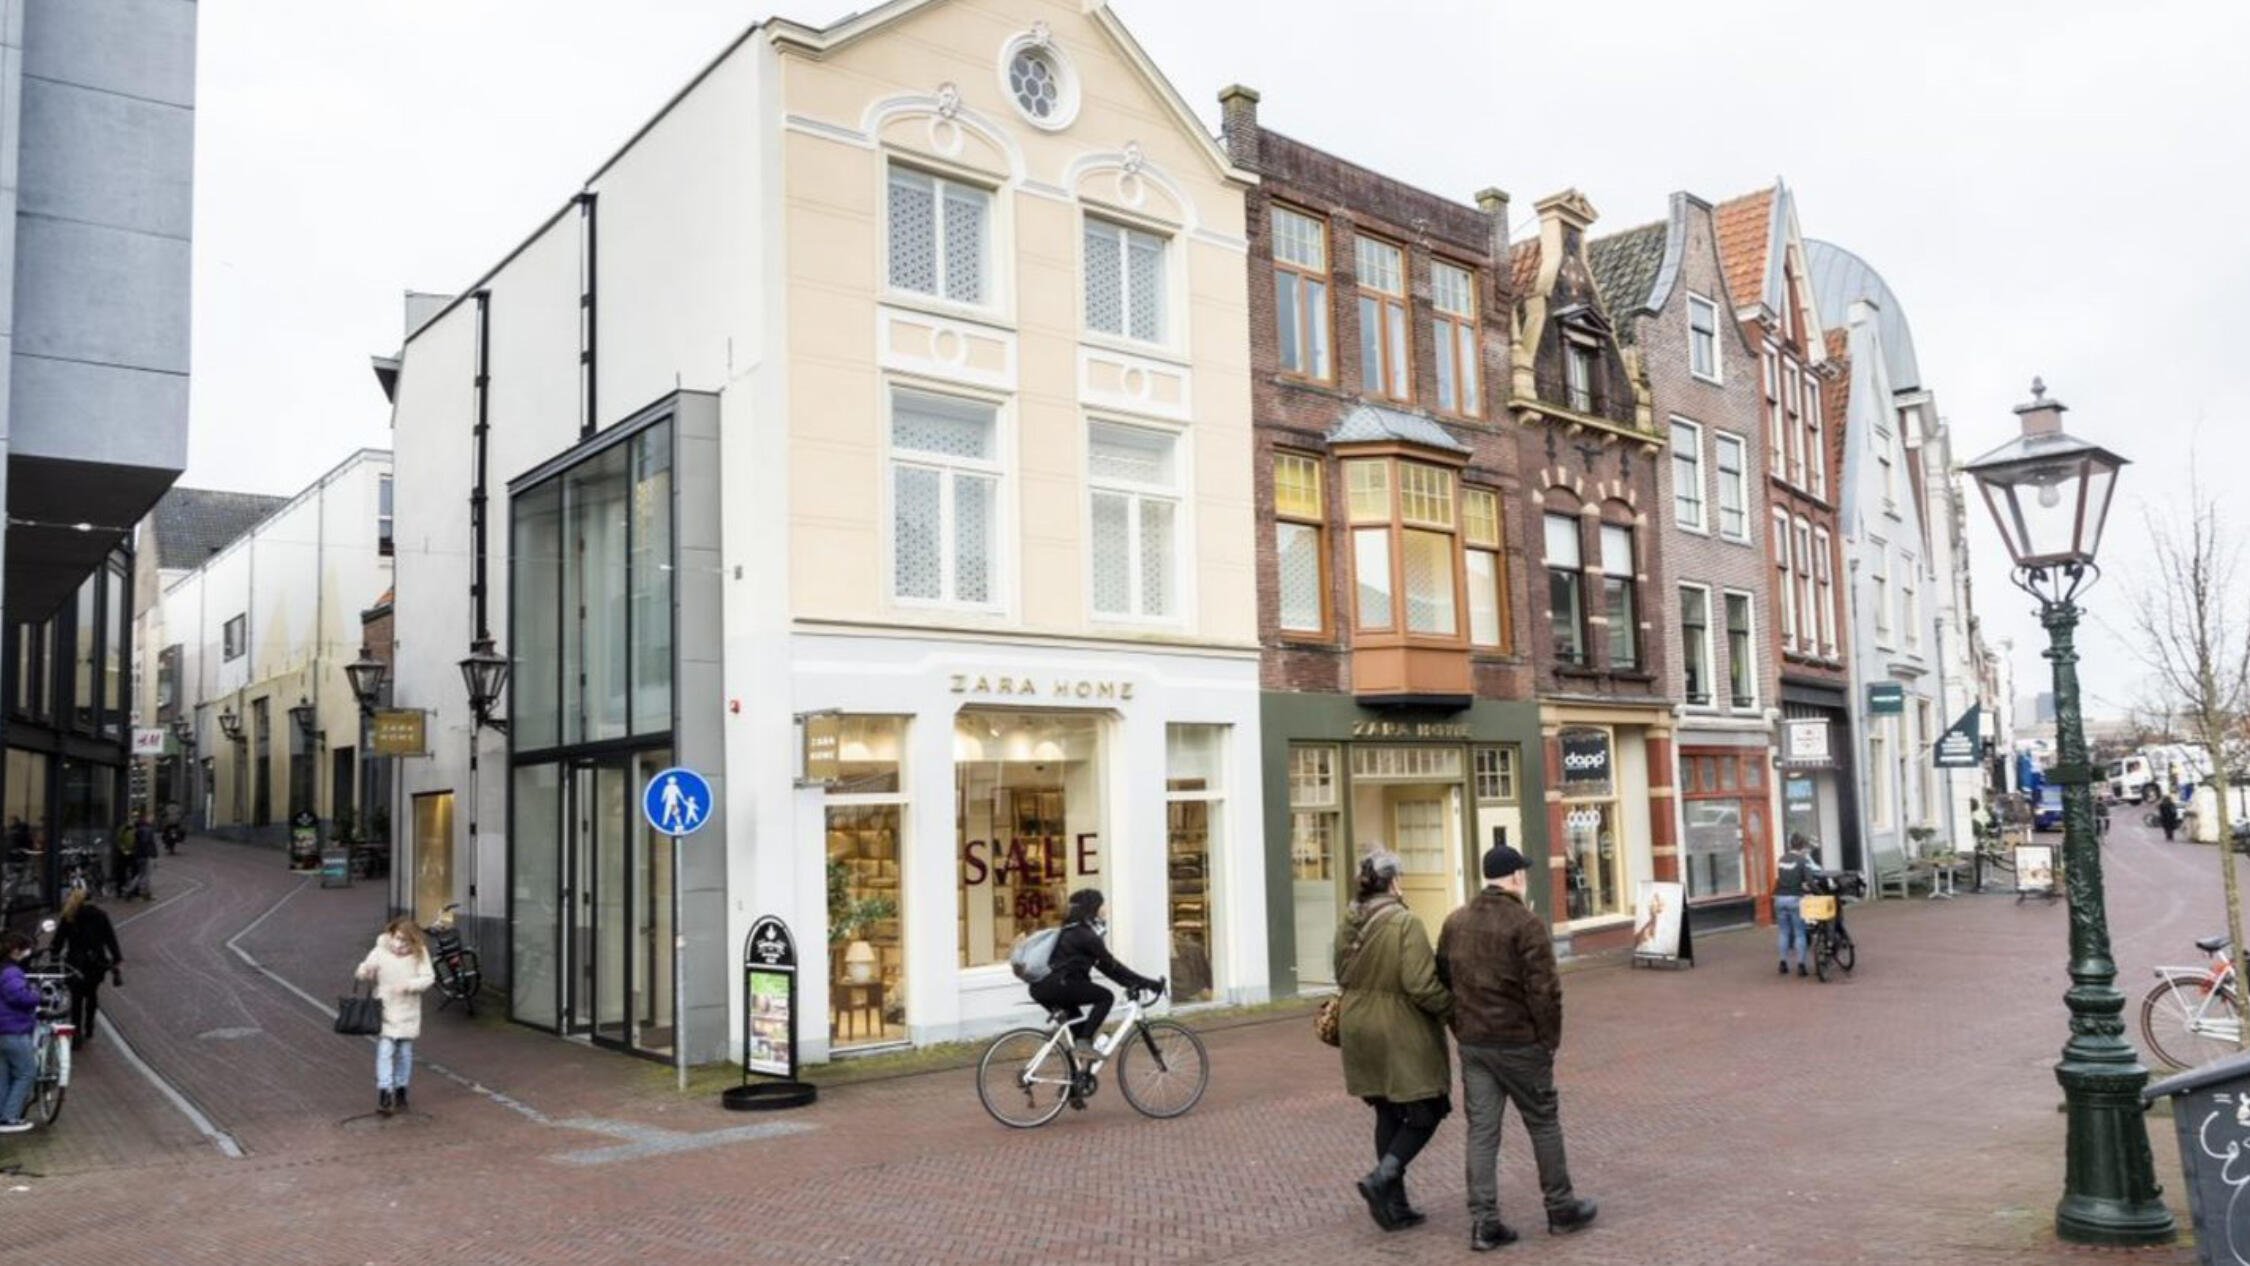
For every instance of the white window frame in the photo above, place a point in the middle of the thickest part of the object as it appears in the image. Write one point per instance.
(1750, 607)
(1003, 501)
(1793, 418)
(1446, 328)
(1816, 439)
(1824, 584)
(1136, 496)
(1909, 604)
(1879, 582)
(1710, 662)
(1717, 373)
(1808, 597)
(1125, 231)
(989, 263)
(1777, 421)
(1880, 743)
(1221, 836)
(1741, 507)
(1779, 524)
(1701, 524)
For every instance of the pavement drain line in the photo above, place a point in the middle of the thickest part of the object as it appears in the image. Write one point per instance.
(655, 1141)
(194, 886)
(219, 1138)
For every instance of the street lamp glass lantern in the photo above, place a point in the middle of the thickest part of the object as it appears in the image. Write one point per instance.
(230, 724)
(366, 675)
(485, 673)
(183, 731)
(2049, 493)
(305, 715)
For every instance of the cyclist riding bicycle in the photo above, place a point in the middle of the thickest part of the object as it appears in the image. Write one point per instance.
(1069, 983)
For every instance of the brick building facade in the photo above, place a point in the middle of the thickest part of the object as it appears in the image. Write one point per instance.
(1667, 293)
(1391, 574)
(1764, 254)
(1591, 450)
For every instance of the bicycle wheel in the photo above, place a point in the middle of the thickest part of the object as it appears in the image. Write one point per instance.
(2169, 1022)
(1847, 954)
(1163, 1069)
(50, 1089)
(1022, 1081)
(1822, 951)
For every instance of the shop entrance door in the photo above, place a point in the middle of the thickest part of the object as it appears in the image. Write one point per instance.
(617, 889)
(1425, 824)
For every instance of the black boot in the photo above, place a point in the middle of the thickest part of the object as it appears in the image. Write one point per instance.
(1571, 1218)
(1801, 969)
(1375, 1189)
(1403, 1215)
(383, 1102)
(1490, 1234)
(398, 1100)
(1784, 966)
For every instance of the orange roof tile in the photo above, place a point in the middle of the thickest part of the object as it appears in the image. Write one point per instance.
(1523, 267)
(1745, 229)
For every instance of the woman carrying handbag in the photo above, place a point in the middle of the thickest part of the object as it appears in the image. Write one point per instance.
(399, 967)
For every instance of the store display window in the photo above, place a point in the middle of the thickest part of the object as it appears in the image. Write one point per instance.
(1029, 823)
(866, 812)
(1194, 799)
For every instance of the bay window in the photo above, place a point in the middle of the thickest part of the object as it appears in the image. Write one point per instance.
(1618, 596)
(1404, 550)
(1453, 321)
(939, 233)
(1480, 534)
(1124, 281)
(1425, 497)
(1566, 588)
(945, 495)
(1300, 543)
(1133, 483)
(1384, 366)
(1367, 486)
(1300, 284)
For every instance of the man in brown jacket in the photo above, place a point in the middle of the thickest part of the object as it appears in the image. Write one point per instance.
(1499, 960)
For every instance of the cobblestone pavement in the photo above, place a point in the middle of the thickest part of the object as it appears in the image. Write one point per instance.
(1905, 1115)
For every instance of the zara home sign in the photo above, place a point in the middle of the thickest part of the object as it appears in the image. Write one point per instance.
(1014, 686)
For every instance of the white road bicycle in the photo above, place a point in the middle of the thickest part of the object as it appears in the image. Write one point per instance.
(1029, 1075)
(2192, 1015)
(51, 1039)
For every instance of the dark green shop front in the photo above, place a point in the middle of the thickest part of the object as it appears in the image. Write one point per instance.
(1437, 787)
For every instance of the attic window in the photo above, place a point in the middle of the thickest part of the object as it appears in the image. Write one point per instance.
(1581, 371)
(1037, 88)
(1036, 75)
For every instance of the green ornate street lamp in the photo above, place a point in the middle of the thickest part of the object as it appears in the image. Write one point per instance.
(2050, 495)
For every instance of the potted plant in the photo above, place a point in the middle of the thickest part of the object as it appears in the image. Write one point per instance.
(1922, 835)
(849, 918)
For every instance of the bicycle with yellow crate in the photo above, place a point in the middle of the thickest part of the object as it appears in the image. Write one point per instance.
(1823, 911)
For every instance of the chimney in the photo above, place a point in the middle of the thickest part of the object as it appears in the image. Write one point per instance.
(1563, 220)
(1238, 115)
(1494, 204)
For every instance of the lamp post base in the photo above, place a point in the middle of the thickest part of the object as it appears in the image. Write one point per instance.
(2110, 1195)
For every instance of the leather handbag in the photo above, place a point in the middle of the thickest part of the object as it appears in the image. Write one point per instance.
(359, 1013)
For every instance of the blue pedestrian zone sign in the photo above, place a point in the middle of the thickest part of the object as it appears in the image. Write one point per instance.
(677, 801)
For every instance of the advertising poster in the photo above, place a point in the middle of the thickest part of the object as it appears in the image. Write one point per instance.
(772, 1036)
(2035, 868)
(1659, 917)
(304, 841)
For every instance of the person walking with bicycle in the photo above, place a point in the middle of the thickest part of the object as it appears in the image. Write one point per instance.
(1069, 983)
(1498, 958)
(399, 966)
(86, 941)
(1390, 1025)
(19, 1019)
(1797, 869)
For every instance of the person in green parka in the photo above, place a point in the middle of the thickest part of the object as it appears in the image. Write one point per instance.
(1391, 1024)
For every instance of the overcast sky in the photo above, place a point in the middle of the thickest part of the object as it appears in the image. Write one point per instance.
(2050, 188)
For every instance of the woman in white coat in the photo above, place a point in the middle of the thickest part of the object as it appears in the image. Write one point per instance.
(399, 965)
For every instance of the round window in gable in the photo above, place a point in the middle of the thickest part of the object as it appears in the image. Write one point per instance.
(1038, 79)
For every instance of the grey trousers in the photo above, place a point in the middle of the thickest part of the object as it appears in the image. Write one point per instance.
(1493, 1077)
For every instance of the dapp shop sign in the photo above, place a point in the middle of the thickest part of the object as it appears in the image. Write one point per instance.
(1585, 760)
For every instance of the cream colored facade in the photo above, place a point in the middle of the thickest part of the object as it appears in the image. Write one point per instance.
(748, 257)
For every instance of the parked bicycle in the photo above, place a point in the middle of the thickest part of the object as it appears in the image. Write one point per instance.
(2192, 1017)
(1823, 912)
(1029, 1075)
(52, 1034)
(460, 976)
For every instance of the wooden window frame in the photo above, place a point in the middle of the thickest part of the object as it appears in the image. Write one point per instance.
(1702, 524)
(1785, 580)
(1584, 624)
(1396, 382)
(1498, 550)
(1396, 524)
(1301, 276)
(1319, 526)
(1824, 585)
(1447, 329)
(1741, 486)
(1777, 451)
(1632, 582)
(1816, 442)
(1581, 351)
(1717, 373)
(1808, 596)
(1792, 422)
(1688, 645)
(1749, 661)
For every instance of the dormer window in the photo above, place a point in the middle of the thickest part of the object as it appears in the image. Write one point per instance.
(1580, 370)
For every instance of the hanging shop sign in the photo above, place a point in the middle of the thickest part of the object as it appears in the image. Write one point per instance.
(149, 740)
(1960, 746)
(1585, 762)
(1805, 743)
(399, 732)
(820, 738)
(769, 1020)
(1886, 699)
(1660, 925)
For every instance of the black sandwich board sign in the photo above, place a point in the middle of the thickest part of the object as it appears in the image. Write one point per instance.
(769, 1021)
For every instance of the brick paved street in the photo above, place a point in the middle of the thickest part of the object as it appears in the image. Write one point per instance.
(1720, 1115)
